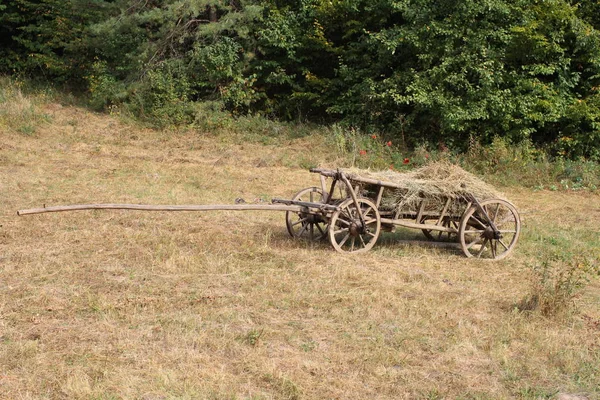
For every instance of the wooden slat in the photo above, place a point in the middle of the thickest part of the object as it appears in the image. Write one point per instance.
(379, 196)
(307, 204)
(407, 224)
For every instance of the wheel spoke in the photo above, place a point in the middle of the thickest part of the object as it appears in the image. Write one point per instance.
(344, 239)
(493, 248)
(347, 215)
(502, 243)
(352, 244)
(478, 221)
(312, 231)
(343, 221)
(301, 231)
(482, 248)
(320, 229)
(340, 231)
(496, 213)
(473, 243)
(510, 217)
(299, 221)
(362, 240)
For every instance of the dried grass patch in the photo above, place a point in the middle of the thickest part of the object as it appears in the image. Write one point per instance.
(225, 305)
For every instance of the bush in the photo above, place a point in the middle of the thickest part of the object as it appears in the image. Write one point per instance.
(162, 97)
(556, 282)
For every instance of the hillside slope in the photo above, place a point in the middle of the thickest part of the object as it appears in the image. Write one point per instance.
(126, 304)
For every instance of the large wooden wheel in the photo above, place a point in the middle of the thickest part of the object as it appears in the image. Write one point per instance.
(303, 225)
(490, 232)
(348, 233)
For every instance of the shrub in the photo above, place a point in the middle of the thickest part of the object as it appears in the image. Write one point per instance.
(556, 281)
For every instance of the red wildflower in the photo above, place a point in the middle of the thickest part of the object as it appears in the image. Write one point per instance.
(362, 152)
(392, 166)
(389, 144)
(427, 156)
(406, 161)
(373, 136)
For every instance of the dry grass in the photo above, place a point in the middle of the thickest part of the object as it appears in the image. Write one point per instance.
(140, 305)
(19, 112)
(434, 183)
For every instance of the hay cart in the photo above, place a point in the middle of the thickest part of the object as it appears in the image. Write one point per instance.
(354, 219)
(488, 229)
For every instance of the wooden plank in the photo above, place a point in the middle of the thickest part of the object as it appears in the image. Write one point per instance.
(407, 224)
(420, 212)
(439, 221)
(143, 207)
(308, 204)
(376, 182)
(353, 195)
(324, 188)
(379, 196)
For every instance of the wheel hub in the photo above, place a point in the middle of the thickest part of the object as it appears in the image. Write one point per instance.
(490, 234)
(355, 229)
(311, 218)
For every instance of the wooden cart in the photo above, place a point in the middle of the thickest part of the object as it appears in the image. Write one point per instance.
(488, 229)
(354, 220)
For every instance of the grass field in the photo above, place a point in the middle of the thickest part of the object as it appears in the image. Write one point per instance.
(224, 305)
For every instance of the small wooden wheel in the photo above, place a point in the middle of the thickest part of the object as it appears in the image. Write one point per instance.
(440, 236)
(491, 234)
(348, 234)
(301, 225)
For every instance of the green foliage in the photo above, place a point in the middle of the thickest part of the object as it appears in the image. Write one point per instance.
(104, 88)
(444, 73)
(162, 96)
(47, 37)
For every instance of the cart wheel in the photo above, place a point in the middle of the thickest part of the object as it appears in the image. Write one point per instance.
(301, 225)
(348, 234)
(477, 235)
(439, 236)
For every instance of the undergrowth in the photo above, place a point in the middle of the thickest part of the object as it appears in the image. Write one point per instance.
(19, 111)
(556, 282)
(501, 162)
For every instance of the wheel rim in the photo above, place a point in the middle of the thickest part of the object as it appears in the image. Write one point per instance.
(347, 233)
(478, 239)
(302, 225)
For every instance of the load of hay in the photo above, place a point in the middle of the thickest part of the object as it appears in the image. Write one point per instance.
(434, 183)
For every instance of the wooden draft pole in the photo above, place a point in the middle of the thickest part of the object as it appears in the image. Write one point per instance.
(233, 207)
(277, 205)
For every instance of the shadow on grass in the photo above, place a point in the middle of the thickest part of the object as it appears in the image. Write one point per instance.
(389, 240)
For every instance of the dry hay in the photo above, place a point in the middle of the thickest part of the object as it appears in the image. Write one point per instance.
(435, 183)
